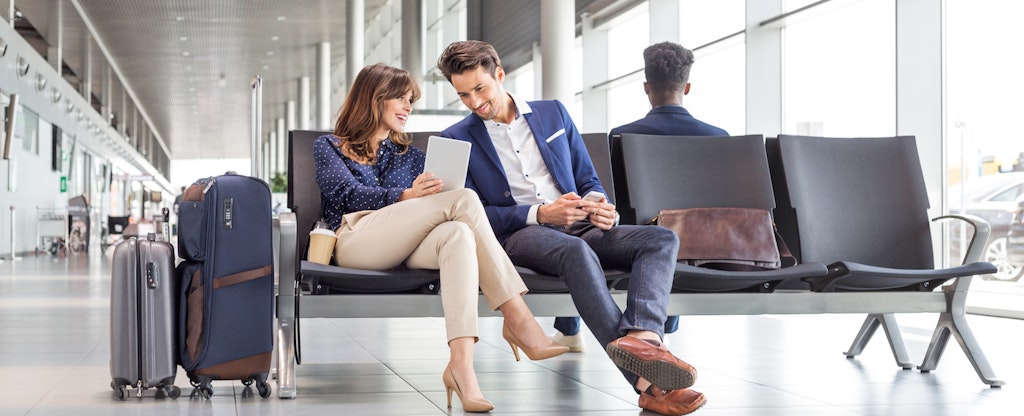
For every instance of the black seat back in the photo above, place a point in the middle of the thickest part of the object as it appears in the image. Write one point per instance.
(861, 200)
(665, 172)
(303, 192)
(784, 214)
(600, 155)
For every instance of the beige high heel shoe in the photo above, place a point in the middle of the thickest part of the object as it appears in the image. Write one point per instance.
(468, 405)
(552, 349)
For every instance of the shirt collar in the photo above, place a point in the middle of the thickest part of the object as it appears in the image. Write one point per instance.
(522, 107)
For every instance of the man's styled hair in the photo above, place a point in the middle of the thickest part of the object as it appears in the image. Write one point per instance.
(467, 55)
(667, 66)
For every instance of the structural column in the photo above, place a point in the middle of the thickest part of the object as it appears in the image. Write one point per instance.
(275, 149)
(919, 87)
(86, 85)
(105, 92)
(595, 59)
(412, 43)
(55, 53)
(557, 35)
(666, 21)
(303, 120)
(323, 85)
(764, 68)
(289, 125)
(355, 43)
(124, 110)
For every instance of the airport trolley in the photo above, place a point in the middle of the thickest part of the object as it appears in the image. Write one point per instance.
(51, 229)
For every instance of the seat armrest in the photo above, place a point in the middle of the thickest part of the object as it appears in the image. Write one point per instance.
(979, 239)
(287, 264)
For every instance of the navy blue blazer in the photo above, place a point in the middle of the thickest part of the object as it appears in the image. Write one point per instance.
(669, 120)
(560, 145)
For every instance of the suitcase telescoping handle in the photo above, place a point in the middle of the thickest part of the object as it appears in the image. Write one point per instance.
(167, 223)
(257, 126)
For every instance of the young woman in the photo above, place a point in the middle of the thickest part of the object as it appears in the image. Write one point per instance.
(388, 212)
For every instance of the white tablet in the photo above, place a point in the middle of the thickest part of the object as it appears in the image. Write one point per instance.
(448, 159)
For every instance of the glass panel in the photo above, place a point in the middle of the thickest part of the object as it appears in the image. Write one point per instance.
(790, 5)
(985, 155)
(717, 80)
(627, 103)
(705, 21)
(28, 129)
(839, 72)
(626, 43)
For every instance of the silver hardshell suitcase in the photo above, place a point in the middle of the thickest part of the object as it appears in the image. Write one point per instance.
(143, 318)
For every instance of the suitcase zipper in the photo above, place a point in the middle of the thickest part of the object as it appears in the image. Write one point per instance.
(139, 293)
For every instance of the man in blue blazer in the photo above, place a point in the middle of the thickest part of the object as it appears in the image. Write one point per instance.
(667, 69)
(530, 167)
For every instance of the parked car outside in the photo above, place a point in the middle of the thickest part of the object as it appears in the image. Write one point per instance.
(1015, 237)
(994, 199)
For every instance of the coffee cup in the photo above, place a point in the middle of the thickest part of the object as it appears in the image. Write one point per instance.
(321, 245)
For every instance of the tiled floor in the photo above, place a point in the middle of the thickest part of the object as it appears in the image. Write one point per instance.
(54, 356)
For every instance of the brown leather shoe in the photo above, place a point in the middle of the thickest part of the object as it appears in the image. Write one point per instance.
(649, 360)
(671, 403)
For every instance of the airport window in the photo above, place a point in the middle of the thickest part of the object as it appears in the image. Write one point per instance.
(839, 72)
(984, 153)
(705, 21)
(626, 42)
(27, 127)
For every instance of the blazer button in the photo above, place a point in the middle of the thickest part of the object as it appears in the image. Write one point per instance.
(508, 194)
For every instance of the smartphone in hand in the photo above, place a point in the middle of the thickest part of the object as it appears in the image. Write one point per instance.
(593, 196)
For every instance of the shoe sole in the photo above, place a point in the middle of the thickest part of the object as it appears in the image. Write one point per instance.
(664, 375)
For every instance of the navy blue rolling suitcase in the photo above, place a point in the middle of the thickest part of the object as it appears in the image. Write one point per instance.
(227, 282)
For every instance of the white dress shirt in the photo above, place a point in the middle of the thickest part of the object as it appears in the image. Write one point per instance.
(528, 177)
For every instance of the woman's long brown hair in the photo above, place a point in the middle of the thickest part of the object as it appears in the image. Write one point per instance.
(364, 106)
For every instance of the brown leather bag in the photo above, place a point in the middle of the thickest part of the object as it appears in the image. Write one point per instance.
(727, 238)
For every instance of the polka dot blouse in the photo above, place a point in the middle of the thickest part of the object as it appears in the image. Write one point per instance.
(347, 186)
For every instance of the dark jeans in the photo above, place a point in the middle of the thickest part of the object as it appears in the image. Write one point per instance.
(570, 325)
(577, 255)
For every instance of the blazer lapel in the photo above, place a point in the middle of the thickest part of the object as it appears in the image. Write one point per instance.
(540, 135)
(482, 140)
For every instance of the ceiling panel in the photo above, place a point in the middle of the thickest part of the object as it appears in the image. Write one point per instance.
(190, 62)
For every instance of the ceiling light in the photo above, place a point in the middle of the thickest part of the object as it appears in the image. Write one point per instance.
(3, 47)
(270, 53)
(223, 81)
(40, 82)
(274, 38)
(186, 53)
(266, 67)
(180, 18)
(188, 68)
(23, 66)
(55, 94)
(69, 107)
(183, 38)
(281, 18)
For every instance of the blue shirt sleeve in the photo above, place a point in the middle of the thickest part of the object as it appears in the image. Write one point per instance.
(347, 186)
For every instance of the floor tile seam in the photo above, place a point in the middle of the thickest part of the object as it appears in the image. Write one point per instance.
(411, 386)
(69, 369)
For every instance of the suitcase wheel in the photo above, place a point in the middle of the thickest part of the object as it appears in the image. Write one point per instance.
(120, 390)
(264, 388)
(202, 391)
(171, 391)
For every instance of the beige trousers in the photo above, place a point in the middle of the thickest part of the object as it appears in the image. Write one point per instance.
(447, 231)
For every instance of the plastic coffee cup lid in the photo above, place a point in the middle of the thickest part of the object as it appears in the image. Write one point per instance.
(322, 231)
